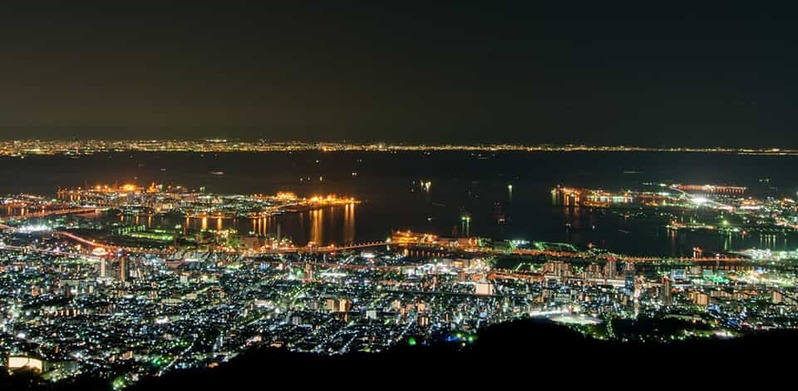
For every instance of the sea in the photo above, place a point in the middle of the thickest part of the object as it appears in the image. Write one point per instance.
(501, 195)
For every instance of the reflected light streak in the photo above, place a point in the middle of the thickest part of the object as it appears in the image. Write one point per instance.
(349, 223)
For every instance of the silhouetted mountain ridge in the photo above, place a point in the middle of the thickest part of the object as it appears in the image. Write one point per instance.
(507, 354)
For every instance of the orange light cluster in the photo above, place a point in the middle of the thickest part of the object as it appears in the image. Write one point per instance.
(409, 237)
(286, 195)
(330, 199)
(113, 189)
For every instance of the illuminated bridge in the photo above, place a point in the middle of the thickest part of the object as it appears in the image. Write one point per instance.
(327, 249)
(39, 250)
(711, 189)
(454, 251)
(622, 258)
(59, 212)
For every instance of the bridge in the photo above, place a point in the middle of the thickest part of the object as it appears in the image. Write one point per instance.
(64, 234)
(80, 239)
(711, 189)
(328, 249)
(283, 250)
(621, 258)
(59, 212)
(376, 244)
(39, 250)
(684, 259)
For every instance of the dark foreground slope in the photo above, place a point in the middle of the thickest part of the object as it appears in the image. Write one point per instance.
(520, 353)
(523, 352)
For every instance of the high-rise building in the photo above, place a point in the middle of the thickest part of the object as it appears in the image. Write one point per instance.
(103, 268)
(777, 297)
(629, 282)
(667, 291)
(124, 269)
(339, 305)
(611, 269)
(699, 298)
(484, 288)
(423, 320)
(309, 272)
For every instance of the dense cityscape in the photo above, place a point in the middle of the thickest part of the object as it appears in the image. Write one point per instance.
(22, 148)
(360, 195)
(86, 292)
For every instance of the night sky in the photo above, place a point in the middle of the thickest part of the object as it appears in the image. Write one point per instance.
(655, 75)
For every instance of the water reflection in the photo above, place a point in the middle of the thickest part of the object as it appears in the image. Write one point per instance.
(349, 223)
(260, 226)
(325, 226)
(317, 226)
(672, 241)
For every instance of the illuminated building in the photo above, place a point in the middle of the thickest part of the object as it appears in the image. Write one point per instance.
(408, 237)
(629, 282)
(339, 305)
(699, 298)
(15, 363)
(602, 198)
(103, 268)
(777, 297)
(484, 288)
(423, 321)
(611, 269)
(124, 269)
(667, 291)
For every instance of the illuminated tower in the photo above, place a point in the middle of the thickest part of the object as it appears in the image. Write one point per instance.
(103, 268)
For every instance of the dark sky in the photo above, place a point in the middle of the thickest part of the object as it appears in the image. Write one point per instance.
(654, 75)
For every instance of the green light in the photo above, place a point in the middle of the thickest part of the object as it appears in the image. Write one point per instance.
(158, 361)
(411, 341)
(118, 383)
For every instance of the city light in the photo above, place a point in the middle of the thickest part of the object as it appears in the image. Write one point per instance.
(172, 278)
(21, 148)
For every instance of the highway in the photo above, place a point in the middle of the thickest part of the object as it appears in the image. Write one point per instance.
(41, 251)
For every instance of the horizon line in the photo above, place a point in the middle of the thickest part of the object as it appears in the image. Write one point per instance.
(400, 144)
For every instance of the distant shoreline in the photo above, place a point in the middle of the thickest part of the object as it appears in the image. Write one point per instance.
(19, 148)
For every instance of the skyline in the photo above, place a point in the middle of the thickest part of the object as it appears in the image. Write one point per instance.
(92, 146)
(472, 73)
